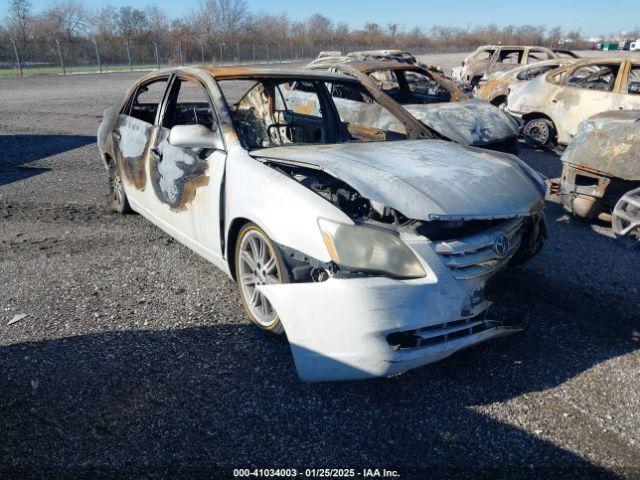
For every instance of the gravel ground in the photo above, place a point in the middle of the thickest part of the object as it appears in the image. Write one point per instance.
(136, 358)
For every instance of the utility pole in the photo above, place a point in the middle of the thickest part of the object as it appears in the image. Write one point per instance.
(18, 61)
(95, 42)
(64, 71)
(129, 57)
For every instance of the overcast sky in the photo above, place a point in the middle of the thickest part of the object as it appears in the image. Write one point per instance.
(594, 17)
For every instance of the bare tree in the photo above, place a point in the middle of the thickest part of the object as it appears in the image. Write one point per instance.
(104, 22)
(231, 16)
(66, 19)
(19, 21)
(131, 23)
(157, 23)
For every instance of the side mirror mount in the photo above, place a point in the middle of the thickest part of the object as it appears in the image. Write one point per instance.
(195, 136)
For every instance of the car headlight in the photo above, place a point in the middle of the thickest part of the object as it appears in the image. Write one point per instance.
(367, 249)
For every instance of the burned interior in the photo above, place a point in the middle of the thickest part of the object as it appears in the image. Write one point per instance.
(277, 112)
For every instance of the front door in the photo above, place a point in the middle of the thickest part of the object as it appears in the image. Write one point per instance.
(186, 182)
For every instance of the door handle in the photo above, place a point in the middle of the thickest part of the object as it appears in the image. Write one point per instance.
(117, 135)
(156, 154)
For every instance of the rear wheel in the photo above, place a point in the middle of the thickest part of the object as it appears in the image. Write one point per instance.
(258, 263)
(539, 132)
(119, 201)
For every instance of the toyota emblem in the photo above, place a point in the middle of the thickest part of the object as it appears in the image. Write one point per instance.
(501, 245)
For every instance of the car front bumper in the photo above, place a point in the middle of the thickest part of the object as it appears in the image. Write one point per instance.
(365, 327)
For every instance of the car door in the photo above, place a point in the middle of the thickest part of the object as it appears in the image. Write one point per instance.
(132, 135)
(186, 183)
(506, 59)
(629, 98)
(534, 55)
(586, 90)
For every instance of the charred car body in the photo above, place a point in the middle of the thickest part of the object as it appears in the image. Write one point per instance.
(495, 87)
(371, 254)
(494, 58)
(553, 105)
(428, 96)
(601, 170)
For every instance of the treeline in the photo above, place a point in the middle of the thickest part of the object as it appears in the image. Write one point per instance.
(230, 21)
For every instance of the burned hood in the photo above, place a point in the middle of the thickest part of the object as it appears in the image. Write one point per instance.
(425, 179)
(608, 142)
(471, 122)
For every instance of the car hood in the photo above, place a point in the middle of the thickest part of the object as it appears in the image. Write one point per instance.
(608, 142)
(471, 122)
(425, 179)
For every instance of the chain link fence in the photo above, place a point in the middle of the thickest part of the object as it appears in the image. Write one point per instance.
(56, 57)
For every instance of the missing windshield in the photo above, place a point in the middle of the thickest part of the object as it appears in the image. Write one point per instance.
(281, 112)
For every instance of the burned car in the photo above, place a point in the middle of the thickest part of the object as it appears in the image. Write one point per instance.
(495, 87)
(428, 96)
(553, 105)
(494, 58)
(399, 55)
(370, 248)
(600, 166)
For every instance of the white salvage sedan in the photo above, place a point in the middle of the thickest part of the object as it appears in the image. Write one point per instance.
(369, 248)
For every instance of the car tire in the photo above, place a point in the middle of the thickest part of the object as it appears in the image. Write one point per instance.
(539, 132)
(119, 200)
(258, 262)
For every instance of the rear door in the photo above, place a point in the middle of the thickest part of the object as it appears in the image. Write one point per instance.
(507, 58)
(537, 55)
(133, 133)
(587, 90)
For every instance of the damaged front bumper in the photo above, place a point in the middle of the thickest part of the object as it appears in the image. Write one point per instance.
(348, 329)
(365, 327)
(582, 190)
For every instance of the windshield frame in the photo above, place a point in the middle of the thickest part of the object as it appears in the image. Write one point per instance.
(414, 129)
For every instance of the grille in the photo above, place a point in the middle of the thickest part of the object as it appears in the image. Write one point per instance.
(476, 256)
(440, 333)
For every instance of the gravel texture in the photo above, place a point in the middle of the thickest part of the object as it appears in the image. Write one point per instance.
(136, 359)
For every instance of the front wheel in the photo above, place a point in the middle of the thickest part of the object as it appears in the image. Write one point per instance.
(257, 263)
(539, 132)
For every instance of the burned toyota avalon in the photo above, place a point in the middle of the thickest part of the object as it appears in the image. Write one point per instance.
(370, 248)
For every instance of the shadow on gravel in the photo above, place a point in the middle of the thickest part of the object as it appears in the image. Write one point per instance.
(543, 160)
(18, 150)
(194, 402)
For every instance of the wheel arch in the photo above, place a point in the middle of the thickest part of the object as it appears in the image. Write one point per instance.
(232, 235)
(530, 116)
(498, 99)
(106, 159)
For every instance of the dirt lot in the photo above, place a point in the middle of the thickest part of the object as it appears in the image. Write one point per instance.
(136, 356)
